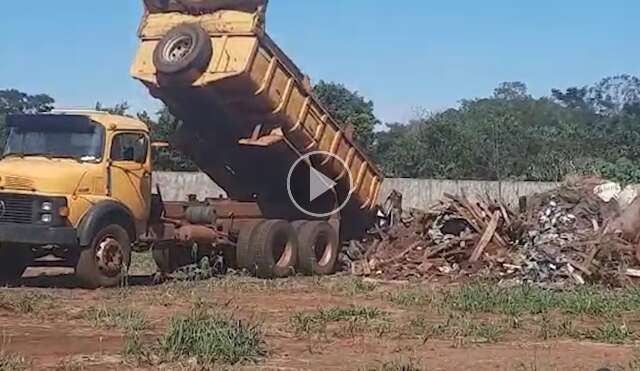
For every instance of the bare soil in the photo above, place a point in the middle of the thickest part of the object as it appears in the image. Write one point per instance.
(57, 335)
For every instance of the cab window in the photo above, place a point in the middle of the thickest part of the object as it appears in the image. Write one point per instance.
(129, 147)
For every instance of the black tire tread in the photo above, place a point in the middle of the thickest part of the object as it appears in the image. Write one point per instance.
(307, 260)
(245, 255)
(262, 245)
(194, 64)
(14, 260)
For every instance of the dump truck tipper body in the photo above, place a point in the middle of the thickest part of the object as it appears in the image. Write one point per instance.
(248, 112)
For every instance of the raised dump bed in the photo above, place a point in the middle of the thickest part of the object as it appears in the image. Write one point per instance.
(248, 112)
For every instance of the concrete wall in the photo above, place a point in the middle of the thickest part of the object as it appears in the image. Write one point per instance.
(418, 193)
(177, 186)
(421, 193)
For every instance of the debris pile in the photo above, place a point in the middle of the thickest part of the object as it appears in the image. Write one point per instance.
(567, 236)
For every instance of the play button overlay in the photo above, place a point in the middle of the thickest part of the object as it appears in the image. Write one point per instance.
(319, 184)
(312, 190)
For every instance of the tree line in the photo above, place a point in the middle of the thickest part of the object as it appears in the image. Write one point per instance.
(509, 135)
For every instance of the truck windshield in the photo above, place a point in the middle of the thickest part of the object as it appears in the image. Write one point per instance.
(59, 141)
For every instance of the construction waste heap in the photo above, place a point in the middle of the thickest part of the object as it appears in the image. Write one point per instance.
(584, 231)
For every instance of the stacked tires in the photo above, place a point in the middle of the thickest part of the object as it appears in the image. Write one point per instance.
(277, 248)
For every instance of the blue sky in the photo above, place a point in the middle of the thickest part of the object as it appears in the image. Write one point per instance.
(405, 55)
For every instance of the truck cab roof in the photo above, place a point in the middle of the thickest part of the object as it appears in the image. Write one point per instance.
(121, 122)
(106, 119)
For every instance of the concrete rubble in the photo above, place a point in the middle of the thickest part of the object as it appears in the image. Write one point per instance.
(581, 232)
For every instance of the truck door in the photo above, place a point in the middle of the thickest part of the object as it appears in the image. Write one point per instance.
(130, 173)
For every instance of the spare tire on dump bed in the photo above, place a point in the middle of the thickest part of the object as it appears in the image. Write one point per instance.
(200, 6)
(183, 54)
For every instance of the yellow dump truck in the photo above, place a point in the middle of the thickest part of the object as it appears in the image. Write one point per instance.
(249, 121)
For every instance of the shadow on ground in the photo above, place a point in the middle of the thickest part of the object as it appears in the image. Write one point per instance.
(69, 281)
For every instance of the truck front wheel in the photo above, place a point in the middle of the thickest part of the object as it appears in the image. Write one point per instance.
(14, 260)
(105, 262)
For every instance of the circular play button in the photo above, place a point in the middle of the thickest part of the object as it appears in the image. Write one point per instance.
(313, 191)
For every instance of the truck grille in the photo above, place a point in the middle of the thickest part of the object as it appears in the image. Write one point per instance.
(16, 208)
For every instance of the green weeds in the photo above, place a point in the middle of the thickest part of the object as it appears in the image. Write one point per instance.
(117, 318)
(212, 337)
(355, 320)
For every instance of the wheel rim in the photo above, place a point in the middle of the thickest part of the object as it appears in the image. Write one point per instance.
(178, 48)
(323, 249)
(283, 252)
(110, 256)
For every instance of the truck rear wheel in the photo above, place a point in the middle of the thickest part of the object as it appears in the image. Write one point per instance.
(105, 262)
(14, 260)
(275, 244)
(245, 253)
(184, 53)
(319, 248)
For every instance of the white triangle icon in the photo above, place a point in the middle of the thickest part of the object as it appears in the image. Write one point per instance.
(319, 184)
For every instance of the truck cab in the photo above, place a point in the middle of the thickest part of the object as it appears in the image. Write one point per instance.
(75, 186)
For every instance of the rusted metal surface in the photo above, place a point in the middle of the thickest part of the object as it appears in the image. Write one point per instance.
(197, 233)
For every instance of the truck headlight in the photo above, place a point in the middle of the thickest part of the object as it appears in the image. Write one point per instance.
(46, 206)
(46, 218)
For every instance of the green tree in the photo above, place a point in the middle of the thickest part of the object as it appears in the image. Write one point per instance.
(512, 135)
(164, 130)
(511, 90)
(121, 109)
(349, 107)
(16, 102)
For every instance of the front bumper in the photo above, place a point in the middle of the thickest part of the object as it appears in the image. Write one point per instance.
(38, 235)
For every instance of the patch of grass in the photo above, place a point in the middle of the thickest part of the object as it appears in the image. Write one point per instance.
(21, 302)
(517, 301)
(212, 337)
(142, 263)
(486, 298)
(395, 366)
(551, 329)
(611, 333)
(358, 319)
(117, 318)
(134, 349)
(347, 286)
(413, 297)
(12, 362)
(490, 331)
(458, 327)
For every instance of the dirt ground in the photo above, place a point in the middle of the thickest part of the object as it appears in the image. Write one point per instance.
(44, 321)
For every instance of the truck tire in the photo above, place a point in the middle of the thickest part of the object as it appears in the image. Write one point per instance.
(14, 260)
(156, 5)
(319, 248)
(184, 53)
(296, 224)
(245, 253)
(105, 262)
(275, 244)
